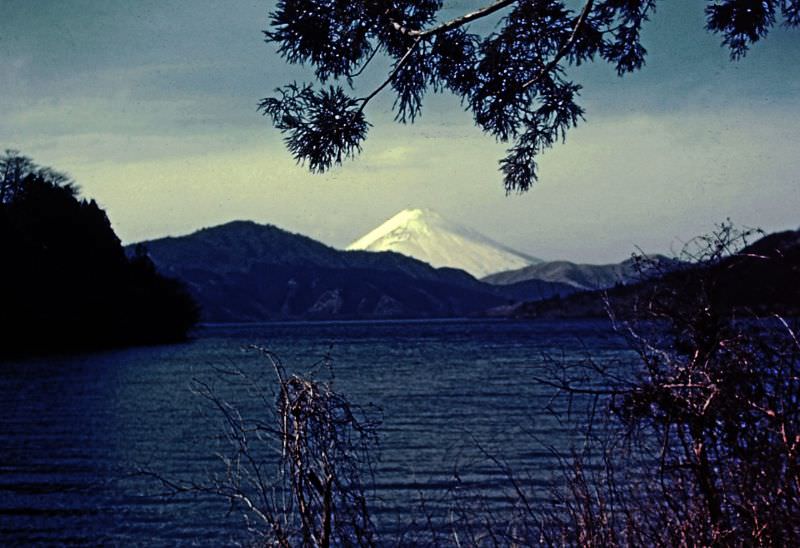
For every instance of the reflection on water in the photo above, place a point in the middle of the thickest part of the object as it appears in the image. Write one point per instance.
(73, 430)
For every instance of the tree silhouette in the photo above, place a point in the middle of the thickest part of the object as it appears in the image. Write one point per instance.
(66, 282)
(513, 79)
(15, 169)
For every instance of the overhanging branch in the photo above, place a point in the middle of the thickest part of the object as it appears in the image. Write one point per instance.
(455, 23)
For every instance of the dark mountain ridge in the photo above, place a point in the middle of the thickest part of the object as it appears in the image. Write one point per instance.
(244, 271)
(761, 278)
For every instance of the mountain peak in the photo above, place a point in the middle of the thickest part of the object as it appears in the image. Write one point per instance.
(417, 214)
(425, 235)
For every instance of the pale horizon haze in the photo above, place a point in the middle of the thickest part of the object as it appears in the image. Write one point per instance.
(151, 107)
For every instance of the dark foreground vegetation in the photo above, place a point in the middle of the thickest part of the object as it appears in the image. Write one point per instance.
(693, 443)
(67, 283)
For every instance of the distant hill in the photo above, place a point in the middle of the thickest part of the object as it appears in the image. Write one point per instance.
(244, 271)
(579, 276)
(762, 278)
(427, 236)
(67, 283)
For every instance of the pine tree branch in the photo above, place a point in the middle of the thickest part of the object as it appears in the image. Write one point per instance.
(455, 23)
(403, 60)
(565, 48)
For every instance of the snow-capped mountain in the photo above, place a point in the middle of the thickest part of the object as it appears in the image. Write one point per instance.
(427, 236)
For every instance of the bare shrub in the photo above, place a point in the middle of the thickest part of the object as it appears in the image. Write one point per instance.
(301, 478)
(704, 447)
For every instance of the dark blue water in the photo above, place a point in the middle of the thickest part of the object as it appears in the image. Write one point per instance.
(75, 431)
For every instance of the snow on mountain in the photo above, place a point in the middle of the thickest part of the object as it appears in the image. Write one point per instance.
(427, 236)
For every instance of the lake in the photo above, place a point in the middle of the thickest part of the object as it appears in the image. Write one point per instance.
(75, 430)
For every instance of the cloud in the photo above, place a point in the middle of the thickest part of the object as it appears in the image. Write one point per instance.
(617, 183)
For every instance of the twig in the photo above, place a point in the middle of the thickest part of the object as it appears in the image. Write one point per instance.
(565, 48)
(364, 66)
(454, 23)
(403, 60)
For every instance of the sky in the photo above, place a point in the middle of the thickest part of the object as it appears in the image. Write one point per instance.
(151, 107)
